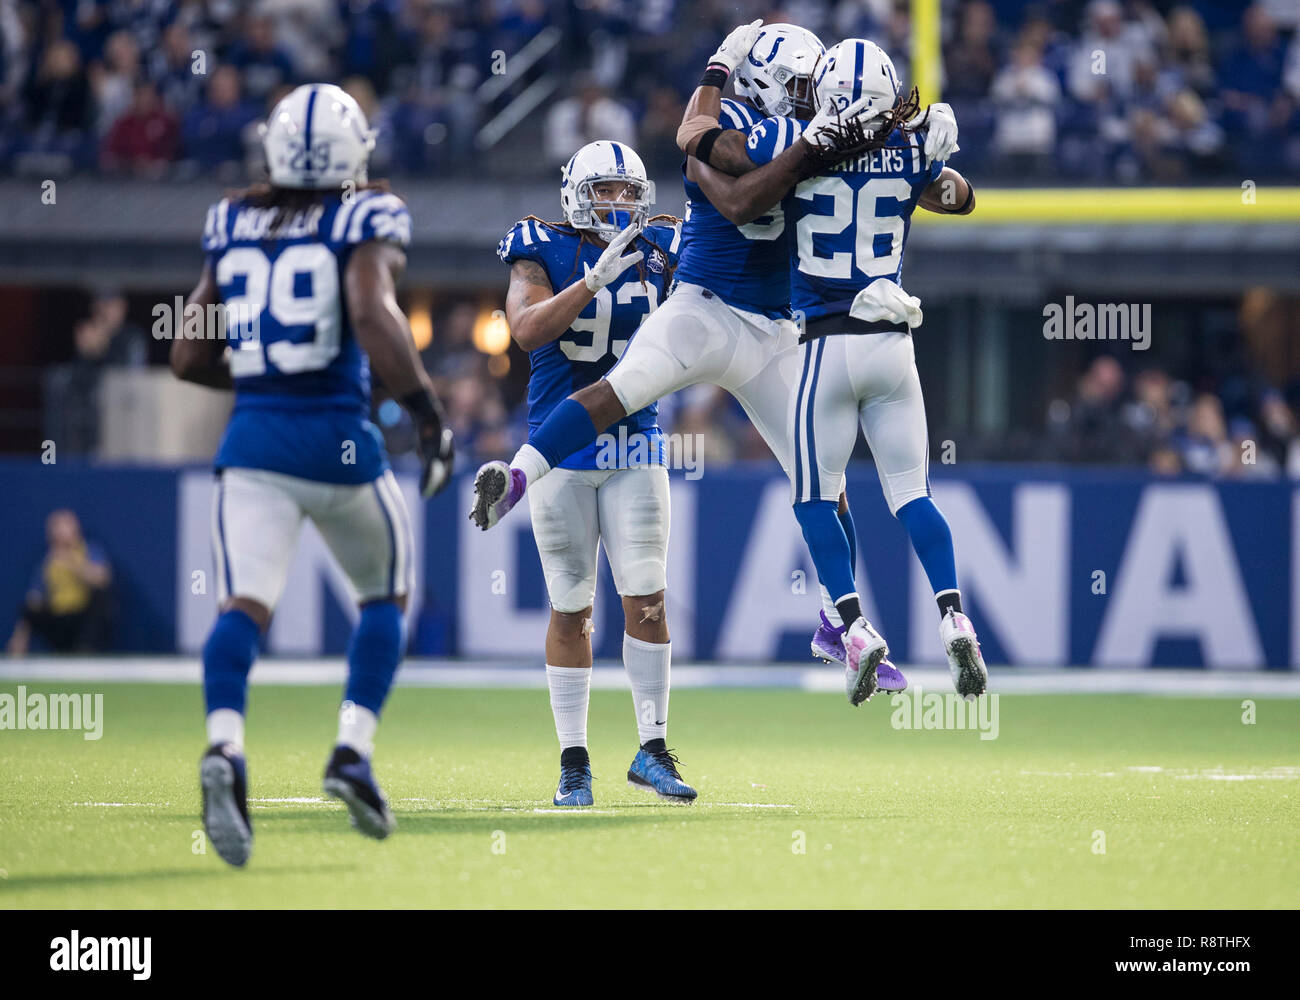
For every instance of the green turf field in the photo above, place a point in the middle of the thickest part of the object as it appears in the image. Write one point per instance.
(886, 817)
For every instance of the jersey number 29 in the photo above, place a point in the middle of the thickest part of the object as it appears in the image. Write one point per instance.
(273, 288)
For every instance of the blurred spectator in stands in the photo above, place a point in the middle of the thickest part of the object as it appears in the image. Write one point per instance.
(172, 67)
(212, 132)
(658, 143)
(69, 600)
(1252, 72)
(58, 104)
(308, 32)
(1026, 96)
(1166, 461)
(145, 139)
(363, 92)
(1195, 139)
(263, 63)
(1245, 458)
(127, 344)
(86, 25)
(1256, 108)
(1151, 417)
(475, 408)
(114, 79)
(445, 55)
(14, 41)
(1279, 433)
(972, 57)
(1106, 56)
(1189, 64)
(1091, 430)
(1204, 443)
(603, 46)
(589, 115)
(103, 339)
(452, 345)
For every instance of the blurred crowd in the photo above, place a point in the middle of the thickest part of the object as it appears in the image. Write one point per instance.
(1230, 409)
(1119, 90)
(1173, 426)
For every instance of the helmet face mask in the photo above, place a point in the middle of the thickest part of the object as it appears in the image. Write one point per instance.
(777, 74)
(853, 69)
(604, 189)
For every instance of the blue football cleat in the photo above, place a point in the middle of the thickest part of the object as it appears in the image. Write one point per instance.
(575, 785)
(654, 769)
(348, 777)
(223, 778)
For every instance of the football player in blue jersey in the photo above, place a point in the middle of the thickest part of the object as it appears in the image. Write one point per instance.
(303, 270)
(727, 322)
(858, 365)
(578, 291)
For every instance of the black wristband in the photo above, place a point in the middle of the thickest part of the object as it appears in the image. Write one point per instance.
(424, 409)
(714, 76)
(705, 146)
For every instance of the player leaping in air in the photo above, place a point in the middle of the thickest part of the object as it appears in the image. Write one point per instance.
(727, 321)
(306, 270)
(578, 291)
(858, 365)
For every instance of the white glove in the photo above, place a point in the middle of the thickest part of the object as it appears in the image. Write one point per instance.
(736, 45)
(828, 114)
(612, 263)
(941, 133)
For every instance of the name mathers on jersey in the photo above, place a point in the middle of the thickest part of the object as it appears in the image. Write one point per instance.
(302, 383)
(748, 267)
(592, 346)
(831, 260)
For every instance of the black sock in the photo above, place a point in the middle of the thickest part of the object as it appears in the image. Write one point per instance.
(574, 757)
(656, 745)
(950, 601)
(850, 610)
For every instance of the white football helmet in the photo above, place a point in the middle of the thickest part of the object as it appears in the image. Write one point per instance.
(853, 69)
(782, 53)
(595, 163)
(317, 137)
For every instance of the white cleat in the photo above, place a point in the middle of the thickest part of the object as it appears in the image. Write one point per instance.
(864, 648)
(497, 488)
(969, 675)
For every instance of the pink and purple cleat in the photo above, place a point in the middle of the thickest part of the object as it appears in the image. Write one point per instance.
(497, 488)
(828, 644)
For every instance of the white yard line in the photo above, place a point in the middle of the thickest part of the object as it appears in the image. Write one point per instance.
(422, 672)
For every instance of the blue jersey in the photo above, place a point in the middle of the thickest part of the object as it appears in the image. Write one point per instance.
(302, 384)
(589, 348)
(850, 224)
(748, 266)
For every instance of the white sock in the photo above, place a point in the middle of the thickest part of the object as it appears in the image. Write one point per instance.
(357, 727)
(828, 605)
(225, 725)
(570, 694)
(530, 462)
(649, 665)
